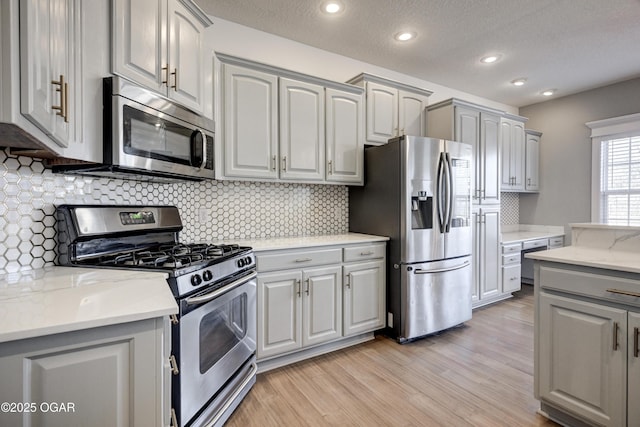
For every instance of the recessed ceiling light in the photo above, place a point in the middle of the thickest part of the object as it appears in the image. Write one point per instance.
(332, 7)
(519, 82)
(549, 92)
(404, 36)
(489, 59)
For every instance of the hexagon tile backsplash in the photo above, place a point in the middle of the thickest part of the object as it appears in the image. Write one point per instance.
(210, 210)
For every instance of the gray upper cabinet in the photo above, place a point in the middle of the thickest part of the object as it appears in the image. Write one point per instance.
(54, 54)
(282, 126)
(532, 160)
(160, 44)
(392, 108)
(512, 152)
(479, 126)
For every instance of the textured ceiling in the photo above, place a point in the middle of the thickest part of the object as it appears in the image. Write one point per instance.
(568, 45)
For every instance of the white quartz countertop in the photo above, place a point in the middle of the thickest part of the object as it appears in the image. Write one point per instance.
(523, 232)
(259, 245)
(591, 257)
(522, 236)
(62, 299)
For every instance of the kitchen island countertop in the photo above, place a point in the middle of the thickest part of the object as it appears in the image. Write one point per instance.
(62, 299)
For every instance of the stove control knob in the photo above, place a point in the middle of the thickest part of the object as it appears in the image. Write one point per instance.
(196, 280)
(207, 275)
(247, 260)
(240, 262)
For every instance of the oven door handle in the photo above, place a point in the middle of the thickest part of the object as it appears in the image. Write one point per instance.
(215, 294)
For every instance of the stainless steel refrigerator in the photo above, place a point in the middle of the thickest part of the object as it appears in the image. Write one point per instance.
(418, 193)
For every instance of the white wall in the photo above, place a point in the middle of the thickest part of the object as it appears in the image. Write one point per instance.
(565, 151)
(245, 42)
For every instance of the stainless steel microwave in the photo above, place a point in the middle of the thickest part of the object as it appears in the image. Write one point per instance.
(149, 137)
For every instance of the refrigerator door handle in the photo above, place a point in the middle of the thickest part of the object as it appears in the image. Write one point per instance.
(440, 193)
(449, 217)
(442, 270)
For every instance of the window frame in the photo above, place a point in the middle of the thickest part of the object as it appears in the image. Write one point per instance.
(605, 130)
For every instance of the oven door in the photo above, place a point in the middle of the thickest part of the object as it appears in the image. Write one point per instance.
(217, 335)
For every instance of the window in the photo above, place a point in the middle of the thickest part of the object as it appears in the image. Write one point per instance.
(615, 186)
(620, 181)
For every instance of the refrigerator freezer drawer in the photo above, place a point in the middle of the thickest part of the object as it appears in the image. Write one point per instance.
(438, 296)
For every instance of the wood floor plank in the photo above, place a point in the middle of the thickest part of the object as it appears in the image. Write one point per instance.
(477, 375)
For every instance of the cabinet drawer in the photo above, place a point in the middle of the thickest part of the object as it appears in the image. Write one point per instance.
(556, 242)
(600, 286)
(511, 248)
(538, 243)
(298, 259)
(511, 280)
(358, 253)
(511, 259)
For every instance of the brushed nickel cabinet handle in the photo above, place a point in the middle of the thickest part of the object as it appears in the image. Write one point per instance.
(175, 79)
(615, 336)
(284, 163)
(330, 167)
(623, 292)
(636, 336)
(298, 288)
(174, 419)
(308, 283)
(174, 365)
(65, 103)
(347, 280)
(304, 259)
(60, 89)
(166, 75)
(366, 253)
(174, 319)
(273, 163)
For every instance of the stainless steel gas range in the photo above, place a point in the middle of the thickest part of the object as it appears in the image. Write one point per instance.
(214, 333)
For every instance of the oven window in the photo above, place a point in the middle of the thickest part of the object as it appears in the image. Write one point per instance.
(221, 330)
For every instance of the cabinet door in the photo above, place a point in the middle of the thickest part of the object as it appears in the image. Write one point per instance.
(46, 53)
(487, 163)
(511, 278)
(412, 113)
(633, 375)
(140, 42)
(512, 155)
(279, 308)
(581, 368)
(475, 256)
(532, 153)
(345, 136)
(517, 155)
(322, 305)
(364, 297)
(107, 376)
(186, 57)
(382, 113)
(489, 251)
(467, 130)
(250, 133)
(302, 148)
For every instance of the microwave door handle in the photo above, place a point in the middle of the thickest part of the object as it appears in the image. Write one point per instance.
(204, 148)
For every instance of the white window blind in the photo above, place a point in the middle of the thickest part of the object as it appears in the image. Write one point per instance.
(620, 181)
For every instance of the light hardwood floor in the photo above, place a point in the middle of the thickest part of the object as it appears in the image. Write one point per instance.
(480, 374)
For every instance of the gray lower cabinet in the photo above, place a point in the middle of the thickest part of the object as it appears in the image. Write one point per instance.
(587, 356)
(108, 376)
(318, 299)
